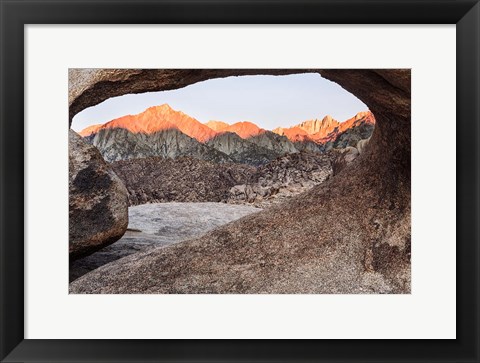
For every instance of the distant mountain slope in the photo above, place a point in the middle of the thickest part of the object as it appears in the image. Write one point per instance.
(277, 143)
(165, 132)
(294, 133)
(121, 144)
(244, 129)
(155, 119)
(319, 127)
(324, 131)
(90, 130)
(217, 125)
(241, 150)
(358, 127)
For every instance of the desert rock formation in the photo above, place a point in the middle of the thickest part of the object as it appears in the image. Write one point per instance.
(156, 180)
(329, 131)
(98, 214)
(283, 178)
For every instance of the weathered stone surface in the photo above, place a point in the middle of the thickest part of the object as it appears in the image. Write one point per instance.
(343, 157)
(154, 180)
(283, 178)
(98, 209)
(362, 144)
(161, 224)
(350, 234)
(350, 137)
(256, 150)
(158, 180)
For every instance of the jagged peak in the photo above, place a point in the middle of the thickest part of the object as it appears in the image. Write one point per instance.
(159, 118)
(328, 119)
(163, 106)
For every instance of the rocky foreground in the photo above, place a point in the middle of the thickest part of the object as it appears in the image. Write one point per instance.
(158, 225)
(188, 197)
(284, 249)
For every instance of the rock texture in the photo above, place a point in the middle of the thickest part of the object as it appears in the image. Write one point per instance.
(343, 157)
(362, 144)
(121, 144)
(350, 132)
(329, 133)
(322, 127)
(280, 145)
(98, 201)
(157, 225)
(252, 148)
(282, 179)
(155, 180)
(350, 234)
(242, 151)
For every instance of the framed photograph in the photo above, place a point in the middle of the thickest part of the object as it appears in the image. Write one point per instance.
(240, 181)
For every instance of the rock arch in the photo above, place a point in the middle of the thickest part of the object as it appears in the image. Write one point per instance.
(360, 219)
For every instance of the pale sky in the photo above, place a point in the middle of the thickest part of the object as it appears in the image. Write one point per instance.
(268, 101)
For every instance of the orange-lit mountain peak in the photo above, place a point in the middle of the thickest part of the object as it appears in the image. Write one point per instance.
(328, 119)
(217, 125)
(293, 133)
(325, 129)
(90, 130)
(144, 122)
(244, 129)
(160, 118)
(364, 116)
(321, 127)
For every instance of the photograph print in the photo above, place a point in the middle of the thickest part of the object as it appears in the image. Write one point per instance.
(239, 181)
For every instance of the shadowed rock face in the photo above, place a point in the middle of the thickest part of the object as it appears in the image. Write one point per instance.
(282, 179)
(121, 144)
(159, 180)
(350, 234)
(98, 203)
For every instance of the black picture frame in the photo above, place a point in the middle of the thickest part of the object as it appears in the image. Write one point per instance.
(15, 14)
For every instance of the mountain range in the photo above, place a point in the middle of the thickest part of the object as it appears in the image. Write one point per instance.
(165, 132)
